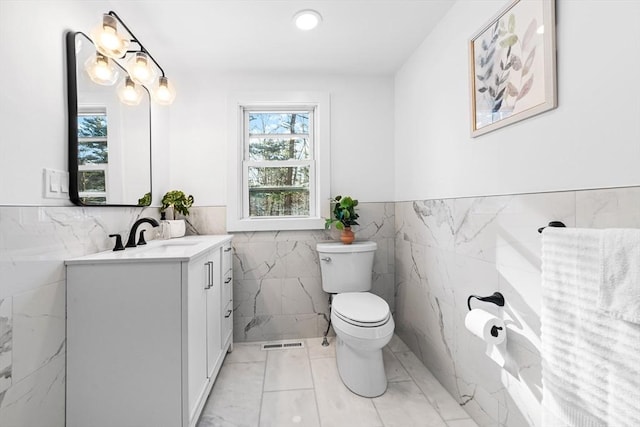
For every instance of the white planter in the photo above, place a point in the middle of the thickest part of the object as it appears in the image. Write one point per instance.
(177, 228)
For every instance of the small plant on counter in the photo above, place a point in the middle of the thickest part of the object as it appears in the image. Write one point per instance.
(178, 200)
(344, 213)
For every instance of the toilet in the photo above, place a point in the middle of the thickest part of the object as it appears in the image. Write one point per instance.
(362, 321)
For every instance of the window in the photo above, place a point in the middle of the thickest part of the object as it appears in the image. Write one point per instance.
(281, 158)
(93, 157)
(278, 162)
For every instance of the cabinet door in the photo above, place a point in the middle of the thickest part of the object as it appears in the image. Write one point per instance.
(227, 275)
(199, 278)
(226, 302)
(213, 294)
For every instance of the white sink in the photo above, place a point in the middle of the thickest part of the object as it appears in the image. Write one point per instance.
(167, 247)
(183, 248)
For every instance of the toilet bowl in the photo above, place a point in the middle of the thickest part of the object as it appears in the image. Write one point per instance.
(363, 326)
(362, 321)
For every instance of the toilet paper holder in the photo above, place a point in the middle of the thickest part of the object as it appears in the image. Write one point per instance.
(497, 298)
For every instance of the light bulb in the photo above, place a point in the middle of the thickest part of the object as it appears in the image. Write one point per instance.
(307, 19)
(140, 69)
(101, 70)
(107, 40)
(129, 93)
(165, 92)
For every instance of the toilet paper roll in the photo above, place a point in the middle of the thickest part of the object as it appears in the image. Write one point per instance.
(486, 326)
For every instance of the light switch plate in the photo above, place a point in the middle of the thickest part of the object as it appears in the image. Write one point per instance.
(55, 182)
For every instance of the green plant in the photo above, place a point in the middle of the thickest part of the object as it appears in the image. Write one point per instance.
(180, 202)
(145, 200)
(344, 213)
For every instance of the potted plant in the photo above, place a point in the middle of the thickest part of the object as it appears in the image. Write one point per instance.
(177, 200)
(172, 202)
(344, 216)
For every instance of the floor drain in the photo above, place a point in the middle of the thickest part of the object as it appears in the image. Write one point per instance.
(282, 345)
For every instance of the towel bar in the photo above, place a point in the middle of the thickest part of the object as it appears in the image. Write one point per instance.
(497, 298)
(552, 224)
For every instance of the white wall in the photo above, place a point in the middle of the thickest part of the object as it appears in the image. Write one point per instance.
(592, 140)
(34, 91)
(33, 96)
(361, 131)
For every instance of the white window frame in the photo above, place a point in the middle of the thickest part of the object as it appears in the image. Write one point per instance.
(95, 111)
(319, 179)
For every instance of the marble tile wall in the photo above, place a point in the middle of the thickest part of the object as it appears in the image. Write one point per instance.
(278, 292)
(431, 255)
(34, 242)
(448, 249)
(277, 288)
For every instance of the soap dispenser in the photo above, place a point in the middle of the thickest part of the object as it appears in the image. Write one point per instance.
(164, 231)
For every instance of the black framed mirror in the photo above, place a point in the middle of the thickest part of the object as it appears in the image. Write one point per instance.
(109, 141)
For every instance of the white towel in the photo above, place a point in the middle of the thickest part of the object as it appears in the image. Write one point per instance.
(619, 294)
(590, 361)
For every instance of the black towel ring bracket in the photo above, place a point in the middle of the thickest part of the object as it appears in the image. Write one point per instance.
(497, 298)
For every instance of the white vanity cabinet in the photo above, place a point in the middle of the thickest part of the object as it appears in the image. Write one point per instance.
(226, 302)
(146, 332)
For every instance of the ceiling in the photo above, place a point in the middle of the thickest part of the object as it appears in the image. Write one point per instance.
(355, 37)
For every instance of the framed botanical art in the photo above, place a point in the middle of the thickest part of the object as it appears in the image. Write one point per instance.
(512, 63)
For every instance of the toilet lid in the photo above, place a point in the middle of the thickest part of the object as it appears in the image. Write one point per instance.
(361, 308)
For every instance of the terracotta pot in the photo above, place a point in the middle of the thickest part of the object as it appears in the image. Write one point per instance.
(347, 237)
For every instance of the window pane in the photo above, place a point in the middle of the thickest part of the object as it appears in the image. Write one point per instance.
(92, 139)
(92, 125)
(278, 149)
(279, 191)
(278, 123)
(94, 200)
(92, 152)
(91, 181)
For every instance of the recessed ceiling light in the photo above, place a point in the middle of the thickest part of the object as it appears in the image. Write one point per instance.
(307, 19)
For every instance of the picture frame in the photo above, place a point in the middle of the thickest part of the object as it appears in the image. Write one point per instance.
(512, 62)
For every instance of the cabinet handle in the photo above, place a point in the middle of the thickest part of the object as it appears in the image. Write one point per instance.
(210, 274)
(226, 316)
(209, 265)
(228, 280)
(227, 249)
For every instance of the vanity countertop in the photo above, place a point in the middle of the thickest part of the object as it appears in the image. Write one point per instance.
(181, 249)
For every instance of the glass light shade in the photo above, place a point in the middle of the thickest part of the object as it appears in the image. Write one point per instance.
(129, 92)
(307, 19)
(107, 39)
(165, 93)
(140, 69)
(101, 70)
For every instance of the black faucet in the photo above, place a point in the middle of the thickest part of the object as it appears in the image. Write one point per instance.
(131, 242)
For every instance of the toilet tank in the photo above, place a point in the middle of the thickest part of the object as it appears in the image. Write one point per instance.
(346, 268)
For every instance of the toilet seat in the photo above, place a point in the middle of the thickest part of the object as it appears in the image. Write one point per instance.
(361, 309)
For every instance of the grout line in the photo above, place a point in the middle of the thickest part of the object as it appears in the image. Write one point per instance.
(287, 389)
(313, 382)
(373, 403)
(435, 407)
(264, 378)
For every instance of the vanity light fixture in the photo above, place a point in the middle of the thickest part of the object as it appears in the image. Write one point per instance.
(129, 92)
(307, 19)
(113, 44)
(140, 69)
(106, 38)
(101, 69)
(164, 93)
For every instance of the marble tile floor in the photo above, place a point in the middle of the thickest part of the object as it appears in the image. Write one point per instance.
(302, 388)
